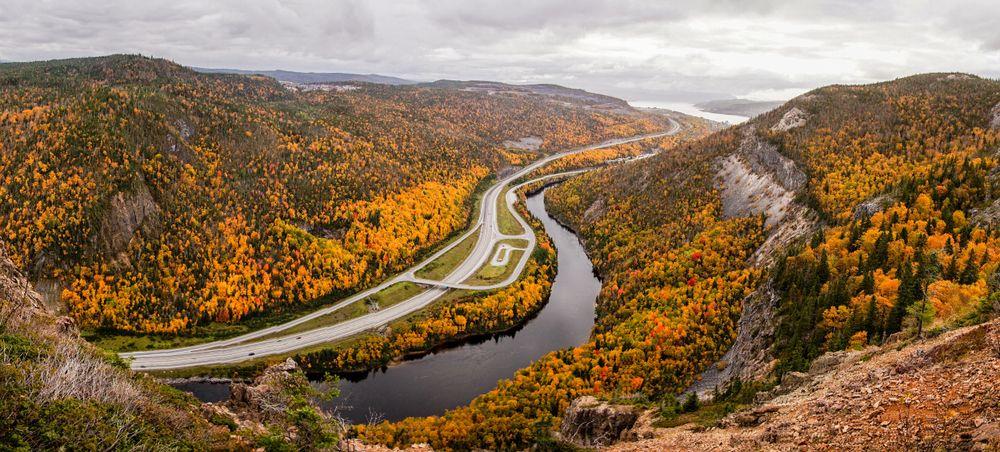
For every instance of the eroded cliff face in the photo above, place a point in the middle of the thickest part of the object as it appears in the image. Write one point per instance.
(128, 212)
(750, 357)
(758, 180)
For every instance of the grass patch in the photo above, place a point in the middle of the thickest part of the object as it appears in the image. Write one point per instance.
(124, 342)
(516, 243)
(508, 224)
(442, 266)
(389, 296)
(492, 274)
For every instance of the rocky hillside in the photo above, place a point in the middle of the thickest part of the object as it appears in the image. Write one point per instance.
(850, 217)
(938, 394)
(57, 391)
(876, 203)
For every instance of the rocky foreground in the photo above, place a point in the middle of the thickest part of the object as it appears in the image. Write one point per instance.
(939, 394)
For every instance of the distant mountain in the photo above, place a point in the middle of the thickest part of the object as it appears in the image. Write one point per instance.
(314, 77)
(573, 95)
(741, 107)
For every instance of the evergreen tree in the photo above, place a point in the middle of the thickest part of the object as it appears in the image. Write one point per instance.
(868, 283)
(880, 254)
(903, 299)
(822, 269)
(970, 274)
(922, 314)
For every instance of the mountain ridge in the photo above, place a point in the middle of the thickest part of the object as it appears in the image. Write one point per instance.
(312, 77)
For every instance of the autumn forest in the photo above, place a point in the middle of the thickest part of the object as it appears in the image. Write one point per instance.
(144, 199)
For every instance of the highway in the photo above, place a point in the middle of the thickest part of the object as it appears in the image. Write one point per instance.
(268, 341)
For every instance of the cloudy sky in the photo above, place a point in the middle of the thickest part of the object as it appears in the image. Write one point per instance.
(640, 50)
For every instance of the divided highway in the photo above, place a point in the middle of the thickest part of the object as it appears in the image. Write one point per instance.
(263, 342)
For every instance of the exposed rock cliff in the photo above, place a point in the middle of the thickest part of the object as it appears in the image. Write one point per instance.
(756, 180)
(793, 118)
(750, 356)
(127, 213)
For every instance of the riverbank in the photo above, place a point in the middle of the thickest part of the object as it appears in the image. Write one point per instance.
(444, 378)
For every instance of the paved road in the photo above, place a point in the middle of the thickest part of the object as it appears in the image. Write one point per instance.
(267, 341)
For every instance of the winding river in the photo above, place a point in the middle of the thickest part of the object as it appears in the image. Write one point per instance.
(453, 376)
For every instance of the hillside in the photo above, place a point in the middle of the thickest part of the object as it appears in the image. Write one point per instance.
(939, 395)
(881, 196)
(145, 197)
(734, 261)
(59, 392)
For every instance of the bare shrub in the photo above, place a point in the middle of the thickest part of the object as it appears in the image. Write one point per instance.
(70, 372)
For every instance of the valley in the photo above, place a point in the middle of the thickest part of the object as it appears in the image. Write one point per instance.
(487, 227)
(491, 266)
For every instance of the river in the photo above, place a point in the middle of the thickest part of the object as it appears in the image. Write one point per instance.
(453, 376)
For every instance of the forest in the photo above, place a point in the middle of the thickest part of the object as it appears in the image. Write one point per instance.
(158, 198)
(903, 177)
(458, 315)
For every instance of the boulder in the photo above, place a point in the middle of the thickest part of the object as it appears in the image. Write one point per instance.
(264, 399)
(792, 380)
(750, 418)
(591, 423)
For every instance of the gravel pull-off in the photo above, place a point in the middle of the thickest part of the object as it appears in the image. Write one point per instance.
(938, 394)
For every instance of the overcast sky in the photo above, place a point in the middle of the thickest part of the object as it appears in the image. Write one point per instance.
(637, 50)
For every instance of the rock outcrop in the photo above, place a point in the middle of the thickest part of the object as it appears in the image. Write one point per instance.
(793, 118)
(872, 206)
(750, 356)
(127, 213)
(757, 179)
(995, 116)
(589, 422)
(265, 398)
(938, 394)
(524, 144)
(988, 216)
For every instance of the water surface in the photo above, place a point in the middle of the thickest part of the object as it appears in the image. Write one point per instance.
(691, 109)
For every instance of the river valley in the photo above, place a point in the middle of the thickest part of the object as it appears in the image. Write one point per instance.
(454, 375)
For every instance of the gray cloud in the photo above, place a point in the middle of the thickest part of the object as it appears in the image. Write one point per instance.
(639, 50)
